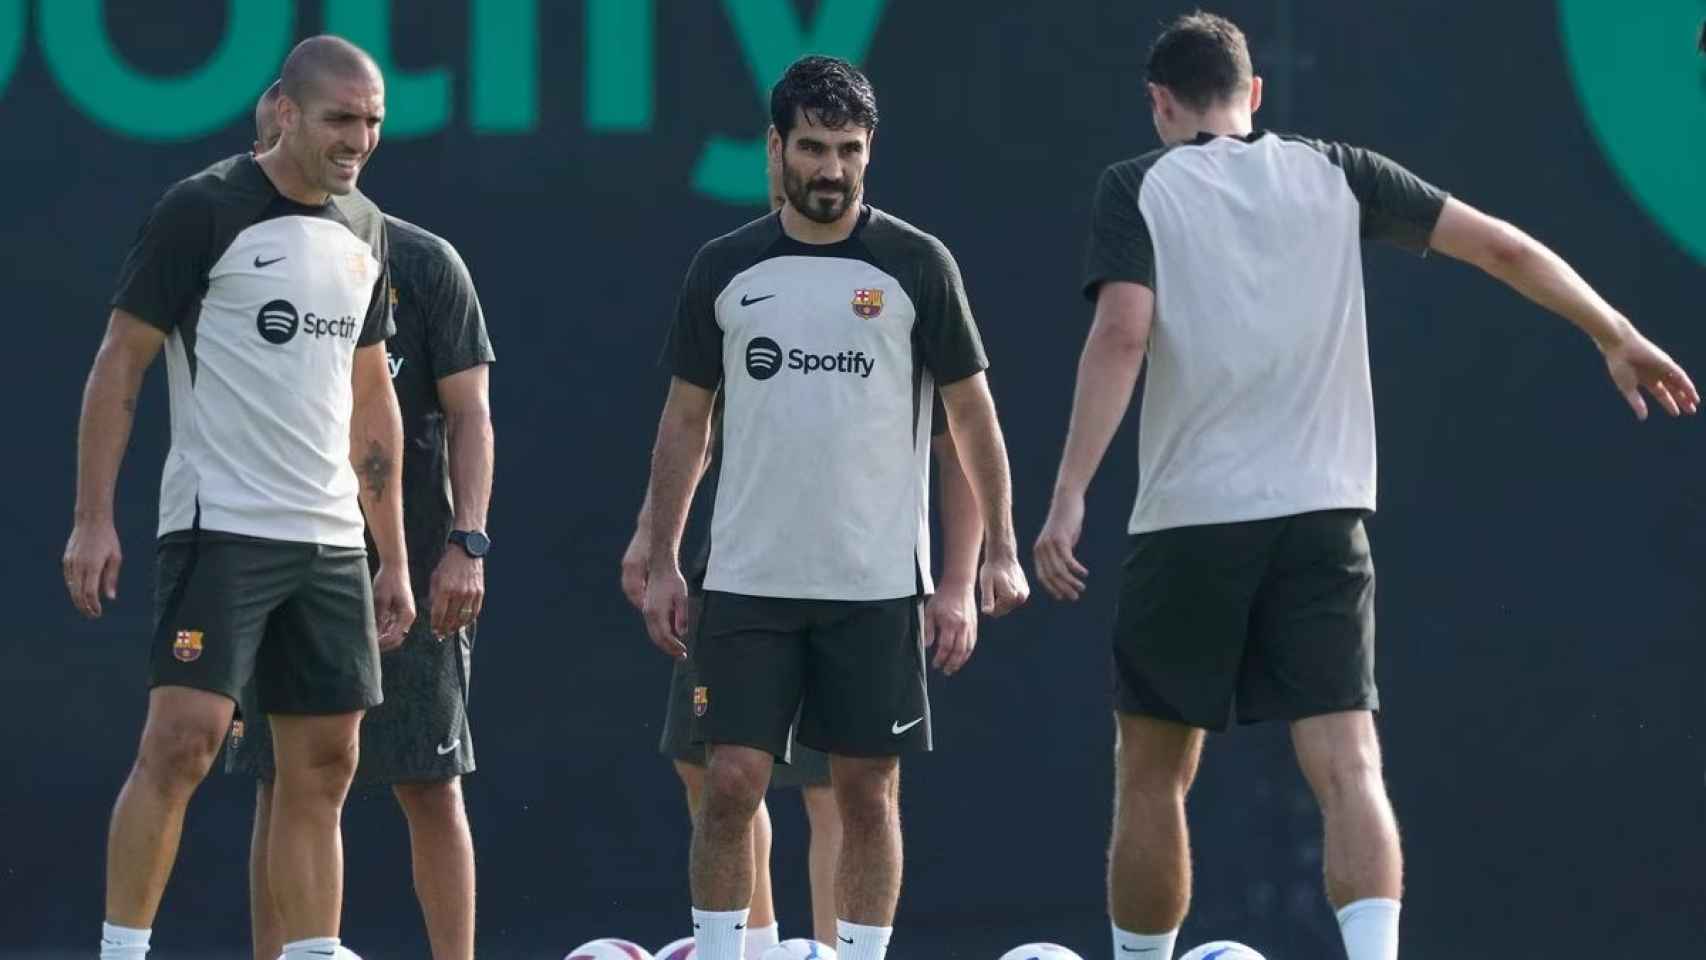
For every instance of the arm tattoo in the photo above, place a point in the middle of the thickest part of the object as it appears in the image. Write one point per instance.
(375, 470)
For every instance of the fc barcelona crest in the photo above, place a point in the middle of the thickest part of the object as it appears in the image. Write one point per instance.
(188, 645)
(868, 303)
(701, 700)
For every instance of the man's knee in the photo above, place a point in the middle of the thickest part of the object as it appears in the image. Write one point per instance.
(1156, 760)
(178, 749)
(319, 762)
(734, 785)
(435, 806)
(1340, 757)
(866, 792)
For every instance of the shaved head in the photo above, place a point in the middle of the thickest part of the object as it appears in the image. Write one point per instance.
(318, 61)
(266, 118)
(327, 111)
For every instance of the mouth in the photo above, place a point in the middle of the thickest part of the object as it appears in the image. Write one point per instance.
(347, 166)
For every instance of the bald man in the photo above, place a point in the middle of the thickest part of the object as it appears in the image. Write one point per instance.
(264, 280)
(418, 742)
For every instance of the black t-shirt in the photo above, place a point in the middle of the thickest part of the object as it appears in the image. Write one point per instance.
(440, 332)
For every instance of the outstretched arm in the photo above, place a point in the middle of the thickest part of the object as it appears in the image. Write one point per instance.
(1531, 269)
(1107, 374)
(92, 556)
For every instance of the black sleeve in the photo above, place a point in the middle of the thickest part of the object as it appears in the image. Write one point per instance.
(1121, 249)
(696, 339)
(1397, 206)
(456, 327)
(381, 321)
(165, 272)
(945, 332)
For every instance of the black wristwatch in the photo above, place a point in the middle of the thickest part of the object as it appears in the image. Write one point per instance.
(476, 543)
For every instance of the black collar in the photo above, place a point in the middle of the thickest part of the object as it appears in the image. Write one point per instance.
(1204, 138)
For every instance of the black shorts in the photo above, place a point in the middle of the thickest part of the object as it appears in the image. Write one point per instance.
(295, 618)
(805, 767)
(420, 734)
(852, 672)
(1271, 619)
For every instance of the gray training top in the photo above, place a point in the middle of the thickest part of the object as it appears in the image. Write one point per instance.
(828, 356)
(264, 301)
(1258, 402)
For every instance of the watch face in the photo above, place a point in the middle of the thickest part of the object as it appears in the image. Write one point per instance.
(477, 544)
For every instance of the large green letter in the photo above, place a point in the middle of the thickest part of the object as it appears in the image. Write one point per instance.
(771, 37)
(83, 61)
(505, 66)
(11, 38)
(1643, 87)
(416, 104)
(620, 35)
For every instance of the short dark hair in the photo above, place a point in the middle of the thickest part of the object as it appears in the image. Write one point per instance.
(316, 58)
(832, 90)
(1202, 58)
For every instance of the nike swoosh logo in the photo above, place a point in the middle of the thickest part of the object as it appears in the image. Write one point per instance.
(1139, 949)
(746, 301)
(740, 926)
(259, 263)
(445, 748)
(844, 939)
(900, 728)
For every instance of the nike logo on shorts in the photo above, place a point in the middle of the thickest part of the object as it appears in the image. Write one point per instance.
(900, 728)
(445, 748)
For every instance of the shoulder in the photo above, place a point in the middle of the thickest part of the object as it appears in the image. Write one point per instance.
(896, 241)
(416, 249)
(363, 218)
(226, 184)
(719, 260)
(1128, 175)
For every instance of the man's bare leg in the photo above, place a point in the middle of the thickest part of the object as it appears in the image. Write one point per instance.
(180, 739)
(266, 929)
(316, 758)
(1149, 856)
(443, 854)
(824, 816)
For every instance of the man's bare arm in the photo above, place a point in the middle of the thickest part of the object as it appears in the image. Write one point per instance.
(466, 399)
(458, 588)
(962, 524)
(376, 451)
(1107, 374)
(92, 556)
(1530, 268)
(983, 452)
(678, 460)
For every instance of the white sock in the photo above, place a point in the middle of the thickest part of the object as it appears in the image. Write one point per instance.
(1370, 929)
(315, 948)
(720, 934)
(760, 939)
(859, 942)
(1143, 946)
(123, 943)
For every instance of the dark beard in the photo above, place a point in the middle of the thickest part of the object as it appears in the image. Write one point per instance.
(817, 209)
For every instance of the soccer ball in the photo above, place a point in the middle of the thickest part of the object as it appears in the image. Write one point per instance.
(609, 948)
(1040, 951)
(682, 949)
(1222, 950)
(799, 950)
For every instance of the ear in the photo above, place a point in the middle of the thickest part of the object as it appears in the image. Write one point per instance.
(1160, 100)
(774, 145)
(1255, 94)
